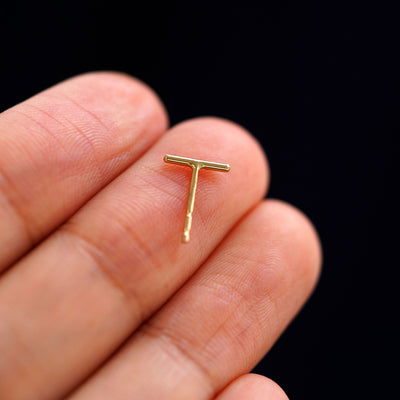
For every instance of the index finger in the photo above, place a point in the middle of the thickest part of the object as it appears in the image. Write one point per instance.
(62, 146)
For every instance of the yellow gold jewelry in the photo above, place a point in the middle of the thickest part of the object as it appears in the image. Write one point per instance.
(196, 166)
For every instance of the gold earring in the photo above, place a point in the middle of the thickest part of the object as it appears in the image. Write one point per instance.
(196, 166)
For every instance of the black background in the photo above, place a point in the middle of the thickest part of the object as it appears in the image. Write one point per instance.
(318, 84)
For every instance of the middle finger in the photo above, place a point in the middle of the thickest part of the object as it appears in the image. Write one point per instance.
(87, 287)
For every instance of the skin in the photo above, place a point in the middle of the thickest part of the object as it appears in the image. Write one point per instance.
(99, 298)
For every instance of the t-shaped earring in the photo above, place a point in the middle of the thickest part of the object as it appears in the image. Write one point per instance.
(196, 166)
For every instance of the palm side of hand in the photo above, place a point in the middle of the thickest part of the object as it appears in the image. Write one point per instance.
(99, 299)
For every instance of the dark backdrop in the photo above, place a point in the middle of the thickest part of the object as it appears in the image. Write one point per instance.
(317, 83)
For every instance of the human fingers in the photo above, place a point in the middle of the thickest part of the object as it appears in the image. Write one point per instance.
(87, 287)
(59, 148)
(252, 387)
(224, 319)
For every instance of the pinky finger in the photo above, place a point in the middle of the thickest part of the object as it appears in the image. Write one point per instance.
(254, 387)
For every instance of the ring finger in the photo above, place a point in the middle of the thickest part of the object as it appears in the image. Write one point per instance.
(225, 317)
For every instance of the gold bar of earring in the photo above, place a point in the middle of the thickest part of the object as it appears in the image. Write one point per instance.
(196, 166)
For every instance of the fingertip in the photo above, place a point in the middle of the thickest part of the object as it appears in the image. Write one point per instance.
(253, 386)
(247, 156)
(298, 225)
(119, 86)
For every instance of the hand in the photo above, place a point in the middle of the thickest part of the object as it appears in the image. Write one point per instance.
(99, 299)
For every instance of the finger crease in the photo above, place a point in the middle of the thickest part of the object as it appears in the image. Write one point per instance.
(17, 210)
(85, 110)
(86, 138)
(167, 341)
(44, 128)
(105, 266)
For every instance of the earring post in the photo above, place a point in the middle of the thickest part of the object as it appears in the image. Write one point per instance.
(196, 166)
